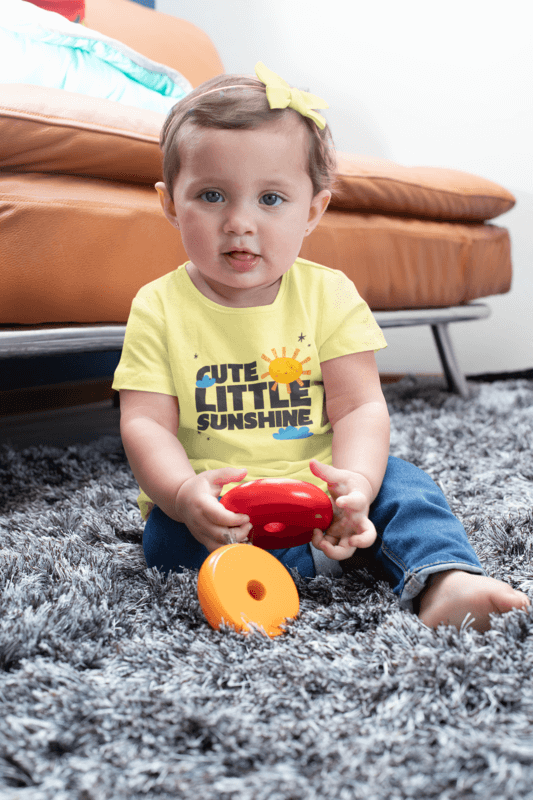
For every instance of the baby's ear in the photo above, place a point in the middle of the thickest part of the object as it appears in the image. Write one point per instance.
(167, 203)
(319, 203)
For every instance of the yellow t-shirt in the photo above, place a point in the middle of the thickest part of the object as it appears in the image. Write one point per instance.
(248, 380)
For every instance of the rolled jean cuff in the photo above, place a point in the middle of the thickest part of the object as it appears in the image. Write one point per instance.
(416, 581)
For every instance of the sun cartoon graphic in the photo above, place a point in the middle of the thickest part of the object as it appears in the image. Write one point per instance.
(285, 370)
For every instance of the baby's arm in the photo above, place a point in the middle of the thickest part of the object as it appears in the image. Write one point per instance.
(359, 417)
(148, 425)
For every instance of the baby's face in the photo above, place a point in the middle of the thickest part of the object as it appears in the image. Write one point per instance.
(243, 201)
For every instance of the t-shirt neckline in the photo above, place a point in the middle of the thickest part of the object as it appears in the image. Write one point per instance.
(233, 309)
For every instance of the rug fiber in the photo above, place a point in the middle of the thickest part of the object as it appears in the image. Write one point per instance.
(112, 685)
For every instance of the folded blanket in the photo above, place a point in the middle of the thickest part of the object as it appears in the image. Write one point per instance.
(43, 48)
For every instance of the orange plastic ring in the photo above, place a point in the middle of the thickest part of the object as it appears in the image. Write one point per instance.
(242, 584)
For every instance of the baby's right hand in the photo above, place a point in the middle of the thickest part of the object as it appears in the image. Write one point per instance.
(198, 508)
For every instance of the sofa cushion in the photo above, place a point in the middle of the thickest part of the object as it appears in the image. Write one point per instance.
(382, 186)
(50, 130)
(402, 263)
(78, 249)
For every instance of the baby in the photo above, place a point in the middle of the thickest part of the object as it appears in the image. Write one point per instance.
(249, 362)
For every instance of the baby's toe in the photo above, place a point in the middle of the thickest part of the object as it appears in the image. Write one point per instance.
(513, 598)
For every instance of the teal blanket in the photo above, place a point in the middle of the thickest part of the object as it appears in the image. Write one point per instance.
(43, 48)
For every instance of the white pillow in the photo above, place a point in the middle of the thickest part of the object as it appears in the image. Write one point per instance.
(45, 49)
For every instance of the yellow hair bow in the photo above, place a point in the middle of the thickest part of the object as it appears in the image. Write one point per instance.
(281, 95)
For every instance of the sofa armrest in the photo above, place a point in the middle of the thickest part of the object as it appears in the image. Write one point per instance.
(163, 38)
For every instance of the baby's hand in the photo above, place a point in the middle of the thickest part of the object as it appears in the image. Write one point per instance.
(198, 508)
(351, 527)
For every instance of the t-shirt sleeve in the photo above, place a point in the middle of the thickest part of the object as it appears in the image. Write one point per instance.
(144, 363)
(347, 323)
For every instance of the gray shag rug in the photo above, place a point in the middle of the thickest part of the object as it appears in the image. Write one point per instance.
(112, 685)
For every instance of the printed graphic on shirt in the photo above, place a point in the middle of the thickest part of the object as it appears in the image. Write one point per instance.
(225, 394)
(285, 370)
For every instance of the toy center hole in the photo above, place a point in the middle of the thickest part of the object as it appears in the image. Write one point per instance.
(275, 527)
(256, 590)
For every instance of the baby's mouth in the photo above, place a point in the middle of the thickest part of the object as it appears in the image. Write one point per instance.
(242, 260)
(241, 255)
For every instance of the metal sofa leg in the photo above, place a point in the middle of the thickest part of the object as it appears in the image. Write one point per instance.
(454, 377)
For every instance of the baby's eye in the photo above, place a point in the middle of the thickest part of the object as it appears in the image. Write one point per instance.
(272, 200)
(212, 197)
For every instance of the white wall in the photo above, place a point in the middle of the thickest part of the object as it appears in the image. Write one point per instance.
(437, 83)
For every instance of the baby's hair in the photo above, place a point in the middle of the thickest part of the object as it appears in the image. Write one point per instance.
(241, 103)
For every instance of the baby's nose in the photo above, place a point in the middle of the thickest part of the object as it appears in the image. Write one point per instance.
(239, 220)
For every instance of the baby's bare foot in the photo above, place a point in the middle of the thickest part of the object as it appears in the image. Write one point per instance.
(451, 595)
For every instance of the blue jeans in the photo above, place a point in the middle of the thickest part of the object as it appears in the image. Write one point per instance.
(417, 536)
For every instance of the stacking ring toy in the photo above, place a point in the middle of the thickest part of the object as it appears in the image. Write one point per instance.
(283, 511)
(240, 584)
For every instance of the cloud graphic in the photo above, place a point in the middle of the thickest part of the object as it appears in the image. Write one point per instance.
(292, 433)
(206, 382)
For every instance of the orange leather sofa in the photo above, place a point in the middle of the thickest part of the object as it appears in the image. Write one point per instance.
(81, 227)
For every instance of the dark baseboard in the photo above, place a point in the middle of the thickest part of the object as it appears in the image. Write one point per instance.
(79, 393)
(490, 377)
(63, 395)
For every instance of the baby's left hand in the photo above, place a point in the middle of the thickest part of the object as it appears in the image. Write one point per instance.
(351, 527)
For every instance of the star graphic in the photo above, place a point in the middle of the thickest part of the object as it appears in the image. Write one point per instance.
(301, 337)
